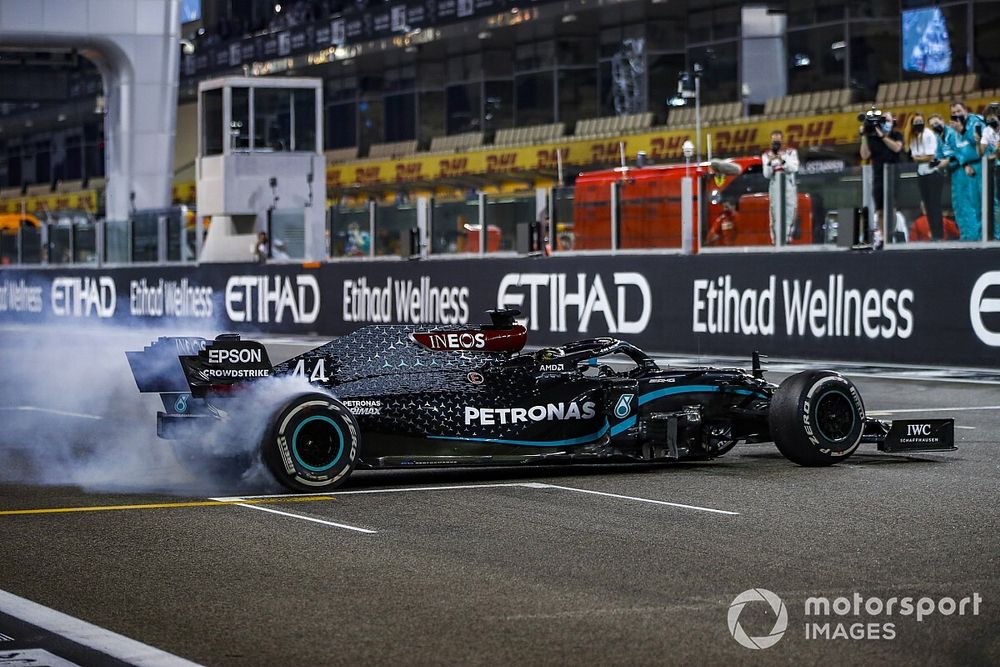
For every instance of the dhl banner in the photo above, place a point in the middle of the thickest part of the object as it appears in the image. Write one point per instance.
(85, 200)
(661, 145)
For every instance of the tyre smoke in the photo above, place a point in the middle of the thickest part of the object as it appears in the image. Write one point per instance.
(71, 414)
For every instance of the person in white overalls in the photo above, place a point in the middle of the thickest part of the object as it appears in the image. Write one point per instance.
(781, 164)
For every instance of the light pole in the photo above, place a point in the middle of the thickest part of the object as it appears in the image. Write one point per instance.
(686, 92)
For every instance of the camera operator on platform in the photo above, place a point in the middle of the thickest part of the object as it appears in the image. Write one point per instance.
(881, 143)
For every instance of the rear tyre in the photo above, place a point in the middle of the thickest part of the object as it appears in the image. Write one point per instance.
(817, 418)
(312, 444)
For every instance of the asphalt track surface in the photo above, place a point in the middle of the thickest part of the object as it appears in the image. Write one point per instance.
(609, 565)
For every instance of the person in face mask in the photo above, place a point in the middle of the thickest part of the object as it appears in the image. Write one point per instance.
(882, 148)
(781, 163)
(923, 143)
(988, 144)
(966, 195)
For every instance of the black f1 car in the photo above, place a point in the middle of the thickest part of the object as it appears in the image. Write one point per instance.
(404, 396)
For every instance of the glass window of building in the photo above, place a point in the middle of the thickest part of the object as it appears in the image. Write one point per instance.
(371, 121)
(341, 112)
(874, 9)
(720, 78)
(211, 122)
(239, 124)
(576, 50)
(304, 104)
(875, 50)
(803, 13)
(464, 102)
(534, 98)
(986, 45)
(577, 94)
(498, 104)
(816, 58)
(664, 71)
(665, 34)
(341, 125)
(401, 116)
(431, 114)
(272, 119)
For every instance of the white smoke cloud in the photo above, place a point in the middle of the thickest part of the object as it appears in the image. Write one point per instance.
(71, 414)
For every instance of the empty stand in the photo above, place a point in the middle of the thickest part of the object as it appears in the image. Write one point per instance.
(609, 125)
(341, 154)
(392, 150)
(711, 114)
(39, 189)
(531, 134)
(457, 142)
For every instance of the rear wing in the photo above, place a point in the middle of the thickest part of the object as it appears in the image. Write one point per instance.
(196, 365)
(157, 368)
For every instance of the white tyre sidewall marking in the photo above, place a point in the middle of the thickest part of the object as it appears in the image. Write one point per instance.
(850, 391)
(285, 451)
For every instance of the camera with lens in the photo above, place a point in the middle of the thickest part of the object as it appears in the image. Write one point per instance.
(871, 120)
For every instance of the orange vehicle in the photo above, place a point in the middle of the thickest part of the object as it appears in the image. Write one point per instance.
(650, 211)
(10, 223)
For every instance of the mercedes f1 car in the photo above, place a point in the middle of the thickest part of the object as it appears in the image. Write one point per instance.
(399, 396)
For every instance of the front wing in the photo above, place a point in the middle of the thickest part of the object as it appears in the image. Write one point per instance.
(911, 435)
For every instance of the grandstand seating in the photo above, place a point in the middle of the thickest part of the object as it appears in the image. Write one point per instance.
(925, 91)
(38, 189)
(531, 134)
(711, 114)
(392, 149)
(803, 104)
(11, 192)
(69, 186)
(342, 154)
(613, 125)
(457, 142)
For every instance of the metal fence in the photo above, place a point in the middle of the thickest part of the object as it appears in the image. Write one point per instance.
(845, 207)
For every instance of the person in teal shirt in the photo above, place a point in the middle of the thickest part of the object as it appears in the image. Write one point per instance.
(945, 148)
(966, 181)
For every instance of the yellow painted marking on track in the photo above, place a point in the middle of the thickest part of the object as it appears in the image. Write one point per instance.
(157, 506)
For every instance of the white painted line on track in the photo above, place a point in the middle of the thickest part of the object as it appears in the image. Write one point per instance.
(457, 487)
(33, 656)
(912, 410)
(967, 428)
(642, 500)
(83, 633)
(307, 518)
(370, 491)
(62, 413)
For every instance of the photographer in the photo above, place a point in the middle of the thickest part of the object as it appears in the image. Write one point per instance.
(966, 195)
(781, 165)
(881, 143)
(923, 146)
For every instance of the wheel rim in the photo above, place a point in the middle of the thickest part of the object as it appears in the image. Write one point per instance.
(317, 443)
(835, 416)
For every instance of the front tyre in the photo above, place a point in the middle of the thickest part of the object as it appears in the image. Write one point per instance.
(312, 444)
(817, 418)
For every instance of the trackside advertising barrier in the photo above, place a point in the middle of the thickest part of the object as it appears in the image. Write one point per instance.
(938, 307)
